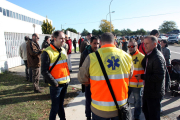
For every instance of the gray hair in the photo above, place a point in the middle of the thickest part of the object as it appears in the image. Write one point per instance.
(153, 38)
(107, 37)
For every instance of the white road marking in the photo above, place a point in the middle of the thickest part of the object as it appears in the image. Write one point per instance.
(175, 52)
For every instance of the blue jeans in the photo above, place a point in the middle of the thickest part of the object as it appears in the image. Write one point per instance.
(95, 117)
(57, 98)
(137, 92)
(88, 101)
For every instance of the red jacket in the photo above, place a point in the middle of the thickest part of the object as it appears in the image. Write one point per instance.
(141, 48)
(69, 42)
(81, 40)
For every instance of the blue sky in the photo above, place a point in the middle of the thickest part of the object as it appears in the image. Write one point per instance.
(80, 14)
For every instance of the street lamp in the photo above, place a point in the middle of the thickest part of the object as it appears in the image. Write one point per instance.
(34, 27)
(62, 25)
(110, 14)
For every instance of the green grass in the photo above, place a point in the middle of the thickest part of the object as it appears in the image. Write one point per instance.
(19, 102)
(77, 49)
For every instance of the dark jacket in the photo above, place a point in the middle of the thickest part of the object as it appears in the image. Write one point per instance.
(124, 46)
(84, 54)
(45, 62)
(33, 54)
(45, 44)
(83, 45)
(155, 75)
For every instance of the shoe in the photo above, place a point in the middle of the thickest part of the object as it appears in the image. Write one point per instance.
(88, 118)
(38, 91)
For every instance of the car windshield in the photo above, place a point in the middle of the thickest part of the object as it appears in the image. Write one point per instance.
(172, 37)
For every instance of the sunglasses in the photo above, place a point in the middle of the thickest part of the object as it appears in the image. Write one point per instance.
(37, 37)
(131, 46)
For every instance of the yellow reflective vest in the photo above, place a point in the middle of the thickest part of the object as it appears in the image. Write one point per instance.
(137, 58)
(117, 64)
(60, 72)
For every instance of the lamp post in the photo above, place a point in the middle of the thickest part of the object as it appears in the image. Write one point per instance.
(110, 14)
(34, 27)
(62, 25)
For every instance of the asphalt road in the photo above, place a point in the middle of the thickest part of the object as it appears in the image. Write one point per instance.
(175, 51)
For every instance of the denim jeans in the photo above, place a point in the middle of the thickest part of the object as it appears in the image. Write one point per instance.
(88, 101)
(95, 117)
(57, 98)
(137, 92)
(151, 108)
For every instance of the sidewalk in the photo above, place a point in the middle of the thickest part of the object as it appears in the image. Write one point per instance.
(75, 110)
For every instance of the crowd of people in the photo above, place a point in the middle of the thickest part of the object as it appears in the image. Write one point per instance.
(108, 74)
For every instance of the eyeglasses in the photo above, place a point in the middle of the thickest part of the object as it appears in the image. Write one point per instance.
(131, 46)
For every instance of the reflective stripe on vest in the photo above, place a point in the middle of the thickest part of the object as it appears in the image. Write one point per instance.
(138, 69)
(120, 76)
(117, 64)
(59, 62)
(60, 72)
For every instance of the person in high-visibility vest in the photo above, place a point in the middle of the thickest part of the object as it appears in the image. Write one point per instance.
(59, 77)
(119, 67)
(136, 86)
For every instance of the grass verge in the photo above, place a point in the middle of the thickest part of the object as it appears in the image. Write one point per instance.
(19, 102)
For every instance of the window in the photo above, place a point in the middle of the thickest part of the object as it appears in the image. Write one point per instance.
(34, 21)
(0, 9)
(16, 15)
(26, 18)
(30, 20)
(11, 14)
(19, 16)
(22, 18)
(7, 12)
(4, 12)
(37, 21)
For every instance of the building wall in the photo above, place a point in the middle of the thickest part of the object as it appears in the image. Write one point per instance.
(20, 26)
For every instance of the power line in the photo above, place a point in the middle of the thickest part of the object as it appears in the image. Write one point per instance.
(126, 18)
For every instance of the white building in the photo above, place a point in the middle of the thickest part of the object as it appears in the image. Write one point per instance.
(15, 23)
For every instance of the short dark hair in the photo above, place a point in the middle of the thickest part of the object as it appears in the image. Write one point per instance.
(56, 33)
(165, 41)
(34, 35)
(88, 34)
(107, 37)
(47, 37)
(26, 38)
(153, 38)
(154, 32)
(133, 41)
(93, 38)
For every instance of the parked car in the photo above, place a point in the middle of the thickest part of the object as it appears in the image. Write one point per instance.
(173, 32)
(162, 38)
(174, 39)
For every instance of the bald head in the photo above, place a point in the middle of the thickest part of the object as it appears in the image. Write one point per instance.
(107, 38)
(35, 37)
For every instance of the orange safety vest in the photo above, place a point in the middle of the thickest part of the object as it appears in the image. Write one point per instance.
(117, 64)
(138, 69)
(60, 72)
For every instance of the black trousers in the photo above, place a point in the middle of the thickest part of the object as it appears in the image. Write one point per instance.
(151, 108)
(74, 48)
(26, 70)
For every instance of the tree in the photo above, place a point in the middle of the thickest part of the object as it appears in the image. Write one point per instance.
(47, 27)
(105, 26)
(84, 32)
(71, 30)
(167, 26)
(116, 32)
(96, 32)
